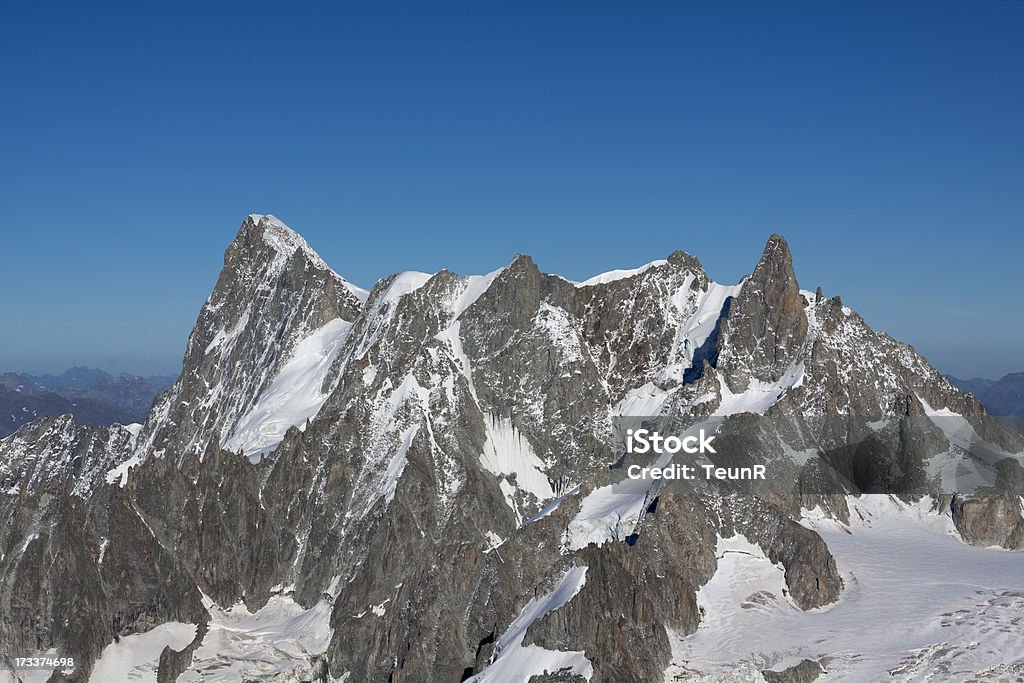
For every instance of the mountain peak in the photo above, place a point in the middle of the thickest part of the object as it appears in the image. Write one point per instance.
(268, 218)
(776, 258)
(766, 324)
(275, 234)
(272, 240)
(275, 302)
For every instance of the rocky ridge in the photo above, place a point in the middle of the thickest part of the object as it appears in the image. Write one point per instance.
(428, 463)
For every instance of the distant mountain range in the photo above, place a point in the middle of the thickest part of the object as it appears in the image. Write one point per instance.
(1003, 397)
(94, 397)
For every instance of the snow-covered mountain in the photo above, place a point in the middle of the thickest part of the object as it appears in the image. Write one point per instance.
(278, 314)
(418, 483)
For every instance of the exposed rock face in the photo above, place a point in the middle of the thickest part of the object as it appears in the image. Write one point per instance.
(86, 573)
(991, 520)
(52, 453)
(766, 325)
(811, 573)
(993, 516)
(806, 671)
(429, 465)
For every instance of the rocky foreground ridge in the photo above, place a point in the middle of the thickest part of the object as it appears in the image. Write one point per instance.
(426, 465)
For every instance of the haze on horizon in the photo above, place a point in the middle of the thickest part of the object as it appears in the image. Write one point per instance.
(136, 139)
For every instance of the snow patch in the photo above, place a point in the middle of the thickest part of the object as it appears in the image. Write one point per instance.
(613, 275)
(244, 645)
(611, 513)
(969, 462)
(476, 285)
(493, 541)
(137, 657)
(451, 335)
(508, 454)
(120, 473)
(608, 513)
(646, 400)
(295, 395)
(397, 464)
(562, 331)
(553, 505)
(745, 578)
(286, 242)
(759, 396)
(404, 283)
(709, 305)
(225, 336)
(28, 542)
(385, 458)
(957, 604)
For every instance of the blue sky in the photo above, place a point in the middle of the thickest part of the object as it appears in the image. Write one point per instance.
(884, 140)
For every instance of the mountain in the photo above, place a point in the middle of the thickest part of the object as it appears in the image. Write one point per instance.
(1003, 397)
(423, 482)
(976, 386)
(75, 378)
(129, 392)
(260, 359)
(94, 397)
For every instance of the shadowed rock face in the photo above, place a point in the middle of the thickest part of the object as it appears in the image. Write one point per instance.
(433, 493)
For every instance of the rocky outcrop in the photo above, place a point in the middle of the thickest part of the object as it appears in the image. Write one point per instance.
(805, 671)
(93, 573)
(992, 516)
(52, 453)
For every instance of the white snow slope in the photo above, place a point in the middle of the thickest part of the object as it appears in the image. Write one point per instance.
(277, 640)
(919, 604)
(613, 275)
(296, 394)
(508, 453)
(137, 657)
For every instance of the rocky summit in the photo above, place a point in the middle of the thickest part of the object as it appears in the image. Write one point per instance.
(420, 482)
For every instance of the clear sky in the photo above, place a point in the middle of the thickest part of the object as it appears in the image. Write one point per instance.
(884, 140)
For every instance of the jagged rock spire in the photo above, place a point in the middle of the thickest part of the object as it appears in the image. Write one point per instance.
(766, 324)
